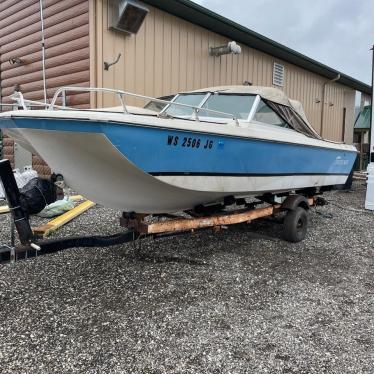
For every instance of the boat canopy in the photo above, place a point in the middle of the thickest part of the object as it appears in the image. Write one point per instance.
(268, 93)
(289, 110)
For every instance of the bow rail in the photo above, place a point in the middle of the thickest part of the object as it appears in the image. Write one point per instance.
(62, 91)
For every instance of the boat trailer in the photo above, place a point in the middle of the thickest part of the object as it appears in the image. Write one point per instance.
(139, 226)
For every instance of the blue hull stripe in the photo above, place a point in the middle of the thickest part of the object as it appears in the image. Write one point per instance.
(74, 125)
(240, 174)
(161, 151)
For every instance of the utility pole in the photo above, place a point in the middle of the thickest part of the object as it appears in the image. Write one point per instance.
(369, 202)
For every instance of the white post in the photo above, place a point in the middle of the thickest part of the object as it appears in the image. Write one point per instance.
(43, 53)
(369, 202)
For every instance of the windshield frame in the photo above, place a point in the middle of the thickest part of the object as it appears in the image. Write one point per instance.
(227, 118)
(202, 102)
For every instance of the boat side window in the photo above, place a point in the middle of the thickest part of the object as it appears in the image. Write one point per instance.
(188, 99)
(238, 106)
(157, 106)
(267, 115)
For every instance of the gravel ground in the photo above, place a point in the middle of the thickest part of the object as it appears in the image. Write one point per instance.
(237, 301)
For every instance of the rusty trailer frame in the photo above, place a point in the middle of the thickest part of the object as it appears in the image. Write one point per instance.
(170, 225)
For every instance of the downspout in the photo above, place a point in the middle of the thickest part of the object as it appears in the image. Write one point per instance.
(323, 99)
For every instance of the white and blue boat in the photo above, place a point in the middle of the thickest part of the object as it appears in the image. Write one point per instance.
(201, 147)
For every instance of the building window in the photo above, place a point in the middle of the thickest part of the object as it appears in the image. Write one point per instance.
(278, 74)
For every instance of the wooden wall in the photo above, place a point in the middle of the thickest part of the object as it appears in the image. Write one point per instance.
(67, 52)
(169, 55)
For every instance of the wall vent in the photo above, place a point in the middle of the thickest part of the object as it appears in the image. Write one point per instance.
(126, 15)
(278, 74)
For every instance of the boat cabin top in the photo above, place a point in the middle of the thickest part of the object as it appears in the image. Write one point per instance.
(265, 105)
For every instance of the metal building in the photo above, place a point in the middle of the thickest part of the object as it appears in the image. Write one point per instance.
(170, 52)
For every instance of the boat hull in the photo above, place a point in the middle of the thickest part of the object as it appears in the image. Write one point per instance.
(141, 168)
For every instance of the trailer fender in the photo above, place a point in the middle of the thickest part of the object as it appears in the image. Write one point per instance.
(292, 202)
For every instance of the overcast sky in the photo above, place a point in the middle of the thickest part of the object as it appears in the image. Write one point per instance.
(338, 33)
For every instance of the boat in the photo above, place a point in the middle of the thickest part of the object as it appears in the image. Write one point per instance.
(200, 147)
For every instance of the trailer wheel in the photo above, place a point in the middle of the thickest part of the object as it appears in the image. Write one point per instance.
(295, 225)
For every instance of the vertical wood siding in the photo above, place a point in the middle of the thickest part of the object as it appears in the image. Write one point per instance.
(169, 54)
(67, 53)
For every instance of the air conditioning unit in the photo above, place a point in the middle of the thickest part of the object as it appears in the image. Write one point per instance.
(126, 15)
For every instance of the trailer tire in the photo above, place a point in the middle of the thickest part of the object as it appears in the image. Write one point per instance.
(295, 225)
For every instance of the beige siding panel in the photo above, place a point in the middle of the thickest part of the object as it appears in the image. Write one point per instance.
(205, 79)
(118, 70)
(169, 54)
(216, 63)
(190, 56)
(229, 69)
(159, 53)
(208, 66)
(149, 53)
(183, 58)
(349, 104)
(109, 55)
(174, 73)
(198, 55)
(166, 64)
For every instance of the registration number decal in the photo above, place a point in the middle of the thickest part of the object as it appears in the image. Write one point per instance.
(191, 142)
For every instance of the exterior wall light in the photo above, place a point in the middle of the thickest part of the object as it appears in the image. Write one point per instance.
(230, 48)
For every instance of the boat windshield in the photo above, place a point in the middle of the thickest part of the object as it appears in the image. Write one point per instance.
(187, 99)
(237, 106)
